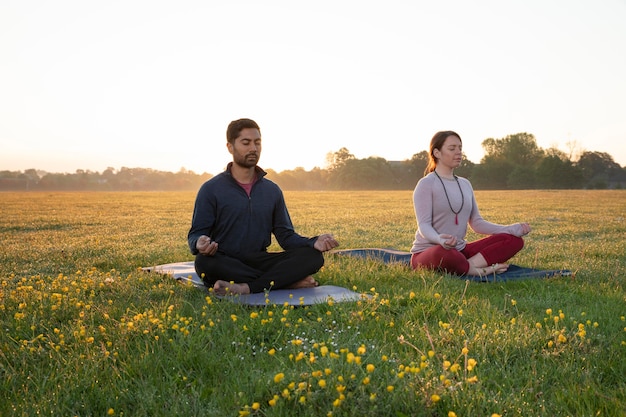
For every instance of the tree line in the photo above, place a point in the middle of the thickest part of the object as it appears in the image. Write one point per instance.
(513, 162)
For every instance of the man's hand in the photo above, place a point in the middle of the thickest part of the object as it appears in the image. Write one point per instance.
(325, 242)
(206, 246)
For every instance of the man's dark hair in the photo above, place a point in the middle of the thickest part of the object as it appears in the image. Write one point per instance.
(236, 126)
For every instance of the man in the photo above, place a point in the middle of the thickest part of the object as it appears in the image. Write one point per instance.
(234, 216)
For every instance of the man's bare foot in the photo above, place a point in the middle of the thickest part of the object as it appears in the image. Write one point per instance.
(308, 282)
(224, 288)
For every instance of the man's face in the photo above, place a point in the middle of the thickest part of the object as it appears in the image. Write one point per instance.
(246, 149)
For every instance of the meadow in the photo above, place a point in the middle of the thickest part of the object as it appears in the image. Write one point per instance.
(85, 332)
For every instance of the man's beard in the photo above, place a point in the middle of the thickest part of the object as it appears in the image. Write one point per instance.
(247, 161)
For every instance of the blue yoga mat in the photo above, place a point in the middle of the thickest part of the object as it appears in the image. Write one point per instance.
(515, 272)
(185, 272)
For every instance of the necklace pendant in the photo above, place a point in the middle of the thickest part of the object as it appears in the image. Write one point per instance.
(456, 219)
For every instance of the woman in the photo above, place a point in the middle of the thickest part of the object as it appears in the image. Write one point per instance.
(444, 206)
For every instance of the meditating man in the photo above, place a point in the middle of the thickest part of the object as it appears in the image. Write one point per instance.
(235, 214)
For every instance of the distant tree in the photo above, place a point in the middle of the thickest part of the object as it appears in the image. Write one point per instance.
(522, 177)
(337, 159)
(419, 162)
(518, 149)
(556, 171)
(492, 173)
(508, 162)
(598, 168)
(406, 173)
(574, 150)
(362, 174)
(32, 174)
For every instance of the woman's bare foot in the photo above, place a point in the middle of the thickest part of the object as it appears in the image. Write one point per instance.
(488, 270)
(224, 288)
(308, 282)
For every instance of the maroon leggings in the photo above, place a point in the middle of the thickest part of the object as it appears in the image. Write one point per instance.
(497, 248)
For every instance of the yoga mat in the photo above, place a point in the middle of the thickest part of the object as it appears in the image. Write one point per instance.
(185, 272)
(515, 272)
(298, 297)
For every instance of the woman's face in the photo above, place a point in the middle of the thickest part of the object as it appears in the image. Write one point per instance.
(451, 153)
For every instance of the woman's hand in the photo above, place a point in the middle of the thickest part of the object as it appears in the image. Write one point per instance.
(447, 241)
(524, 229)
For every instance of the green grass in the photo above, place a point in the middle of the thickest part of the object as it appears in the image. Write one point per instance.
(85, 332)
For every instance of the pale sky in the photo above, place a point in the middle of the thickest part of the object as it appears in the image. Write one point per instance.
(153, 84)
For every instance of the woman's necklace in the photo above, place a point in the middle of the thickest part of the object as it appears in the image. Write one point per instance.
(456, 213)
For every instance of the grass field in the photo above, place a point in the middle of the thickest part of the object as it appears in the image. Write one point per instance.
(85, 332)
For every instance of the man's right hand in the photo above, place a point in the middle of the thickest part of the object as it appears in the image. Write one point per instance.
(206, 246)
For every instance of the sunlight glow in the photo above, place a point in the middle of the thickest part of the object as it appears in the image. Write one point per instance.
(89, 85)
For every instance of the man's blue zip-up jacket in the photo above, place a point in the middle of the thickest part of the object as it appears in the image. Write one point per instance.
(241, 224)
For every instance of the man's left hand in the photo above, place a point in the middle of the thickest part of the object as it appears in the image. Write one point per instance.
(325, 242)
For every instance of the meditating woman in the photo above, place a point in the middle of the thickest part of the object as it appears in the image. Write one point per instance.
(444, 205)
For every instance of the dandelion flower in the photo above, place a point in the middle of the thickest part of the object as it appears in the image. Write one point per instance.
(279, 377)
(435, 398)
